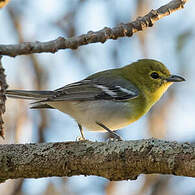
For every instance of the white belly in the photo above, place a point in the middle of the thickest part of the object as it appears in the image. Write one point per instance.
(113, 115)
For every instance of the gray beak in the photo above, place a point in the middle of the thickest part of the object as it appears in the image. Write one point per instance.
(175, 78)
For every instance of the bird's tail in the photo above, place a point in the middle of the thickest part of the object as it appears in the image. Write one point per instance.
(31, 95)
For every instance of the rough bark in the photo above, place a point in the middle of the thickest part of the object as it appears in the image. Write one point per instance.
(122, 30)
(3, 87)
(117, 160)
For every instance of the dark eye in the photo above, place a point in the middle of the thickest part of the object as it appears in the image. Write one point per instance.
(155, 75)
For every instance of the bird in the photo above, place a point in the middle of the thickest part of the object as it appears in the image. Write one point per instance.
(107, 100)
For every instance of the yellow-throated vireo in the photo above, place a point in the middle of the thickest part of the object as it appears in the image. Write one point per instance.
(107, 100)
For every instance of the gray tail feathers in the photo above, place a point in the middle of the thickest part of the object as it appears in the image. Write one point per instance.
(31, 95)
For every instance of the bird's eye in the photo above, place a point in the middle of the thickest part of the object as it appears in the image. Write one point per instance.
(155, 75)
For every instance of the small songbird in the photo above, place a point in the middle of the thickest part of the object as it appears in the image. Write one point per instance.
(107, 100)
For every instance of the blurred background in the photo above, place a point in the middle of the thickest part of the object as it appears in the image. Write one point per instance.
(171, 41)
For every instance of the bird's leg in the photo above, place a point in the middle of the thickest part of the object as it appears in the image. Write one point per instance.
(81, 131)
(112, 134)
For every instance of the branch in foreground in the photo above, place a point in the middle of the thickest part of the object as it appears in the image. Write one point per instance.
(122, 30)
(118, 160)
(3, 87)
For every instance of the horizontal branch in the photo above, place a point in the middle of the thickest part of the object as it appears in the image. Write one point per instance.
(117, 160)
(122, 30)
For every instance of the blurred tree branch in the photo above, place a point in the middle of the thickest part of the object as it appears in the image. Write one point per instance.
(3, 3)
(117, 160)
(122, 30)
(36, 68)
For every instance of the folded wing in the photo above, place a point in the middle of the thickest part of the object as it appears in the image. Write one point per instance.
(98, 88)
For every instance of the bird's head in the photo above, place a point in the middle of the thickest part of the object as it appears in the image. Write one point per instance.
(151, 76)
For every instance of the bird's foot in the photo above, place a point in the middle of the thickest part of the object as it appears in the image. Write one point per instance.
(80, 139)
(114, 137)
(112, 134)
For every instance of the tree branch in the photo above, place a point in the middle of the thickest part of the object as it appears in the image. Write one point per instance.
(118, 160)
(122, 30)
(3, 87)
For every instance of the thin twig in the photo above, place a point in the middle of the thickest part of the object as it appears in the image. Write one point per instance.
(122, 30)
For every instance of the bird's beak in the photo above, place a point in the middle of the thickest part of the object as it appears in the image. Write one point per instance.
(175, 78)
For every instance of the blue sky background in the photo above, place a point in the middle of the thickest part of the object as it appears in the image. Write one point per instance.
(38, 22)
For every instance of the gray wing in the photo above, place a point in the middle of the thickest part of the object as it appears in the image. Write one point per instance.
(96, 89)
